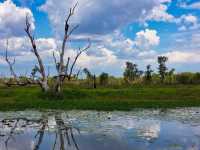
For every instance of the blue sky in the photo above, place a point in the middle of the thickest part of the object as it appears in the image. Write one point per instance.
(120, 31)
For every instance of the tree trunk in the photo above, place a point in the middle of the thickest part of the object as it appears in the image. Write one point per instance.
(94, 81)
(44, 85)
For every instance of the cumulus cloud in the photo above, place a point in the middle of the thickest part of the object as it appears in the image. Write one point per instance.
(189, 19)
(146, 39)
(98, 16)
(20, 48)
(113, 50)
(183, 57)
(188, 23)
(140, 48)
(12, 19)
(159, 13)
(19, 44)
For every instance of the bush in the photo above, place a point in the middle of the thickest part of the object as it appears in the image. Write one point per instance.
(184, 78)
(104, 79)
(196, 78)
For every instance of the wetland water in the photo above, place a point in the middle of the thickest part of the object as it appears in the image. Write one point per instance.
(142, 129)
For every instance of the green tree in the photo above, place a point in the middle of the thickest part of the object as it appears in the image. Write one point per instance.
(104, 78)
(88, 73)
(184, 78)
(196, 78)
(162, 69)
(171, 75)
(90, 77)
(131, 72)
(148, 73)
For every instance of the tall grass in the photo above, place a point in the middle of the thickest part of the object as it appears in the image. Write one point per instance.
(125, 98)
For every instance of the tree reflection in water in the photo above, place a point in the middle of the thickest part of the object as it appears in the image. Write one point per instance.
(139, 129)
(62, 131)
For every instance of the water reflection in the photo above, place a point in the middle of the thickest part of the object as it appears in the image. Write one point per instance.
(172, 129)
(149, 131)
(62, 133)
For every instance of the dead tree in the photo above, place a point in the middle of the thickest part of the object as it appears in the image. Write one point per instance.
(10, 63)
(63, 70)
(43, 82)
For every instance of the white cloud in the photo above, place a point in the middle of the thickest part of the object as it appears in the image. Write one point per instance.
(20, 48)
(111, 52)
(195, 5)
(159, 13)
(107, 60)
(188, 22)
(188, 19)
(22, 44)
(183, 57)
(98, 16)
(115, 49)
(182, 28)
(124, 48)
(12, 19)
(146, 39)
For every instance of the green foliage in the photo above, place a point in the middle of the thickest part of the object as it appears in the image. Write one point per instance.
(196, 78)
(148, 74)
(162, 69)
(88, 73)
(103, 79)
(188, 78)
(184, 78)
(170, 77)
(131, 72)
(91, 79)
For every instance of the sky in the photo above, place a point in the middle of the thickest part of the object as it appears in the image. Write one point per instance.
(130, 30)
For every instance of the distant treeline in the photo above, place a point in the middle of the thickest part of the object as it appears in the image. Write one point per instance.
(132, 75)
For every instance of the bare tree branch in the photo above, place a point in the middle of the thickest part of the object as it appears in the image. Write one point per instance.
(77, 56)
(56, 63)
(72, 30)
(71, 13)
(67, 66)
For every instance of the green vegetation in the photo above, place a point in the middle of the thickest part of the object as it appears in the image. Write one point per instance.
(115, 98)
(136, 89)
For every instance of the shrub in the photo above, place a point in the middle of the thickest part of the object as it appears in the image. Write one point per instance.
(184, 78)
(104, 79)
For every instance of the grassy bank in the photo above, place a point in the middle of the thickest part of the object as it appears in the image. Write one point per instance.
(102, 98)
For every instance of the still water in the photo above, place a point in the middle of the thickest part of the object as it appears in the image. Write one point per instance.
(160, 129)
